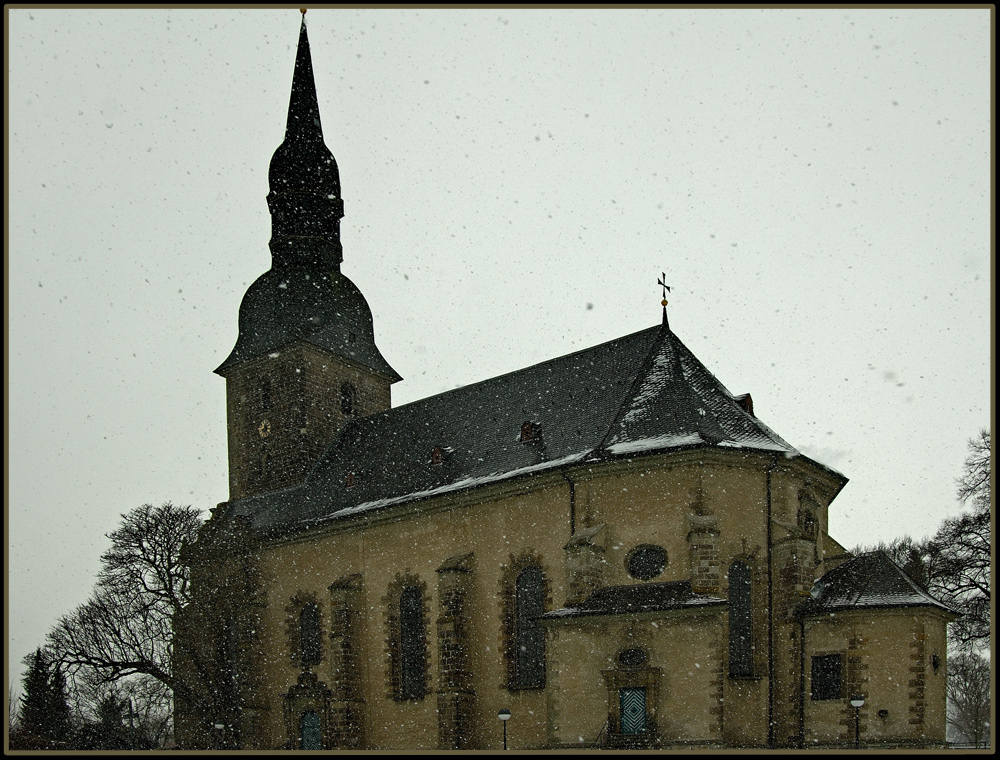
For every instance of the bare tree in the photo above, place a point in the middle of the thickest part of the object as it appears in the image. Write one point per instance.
(960, 552)
(974, 485)
(969, 698)
(13, 714)
(962, 561)
(123, 634)
(955, 565)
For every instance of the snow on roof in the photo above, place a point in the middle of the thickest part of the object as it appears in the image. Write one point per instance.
(640, 394)
(866, 581)
(638, 597)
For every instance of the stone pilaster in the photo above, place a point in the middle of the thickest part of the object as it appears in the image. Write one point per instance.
(455, 694)
(345, 672)
(584, 564)
(703, 547)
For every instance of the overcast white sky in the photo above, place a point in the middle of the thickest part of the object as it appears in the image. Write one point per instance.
(815, 184)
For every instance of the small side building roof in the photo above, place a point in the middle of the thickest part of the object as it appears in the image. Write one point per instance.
(870, 580)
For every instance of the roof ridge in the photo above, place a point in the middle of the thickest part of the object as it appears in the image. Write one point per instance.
(906, 576)
(553, 360)
(644, 368)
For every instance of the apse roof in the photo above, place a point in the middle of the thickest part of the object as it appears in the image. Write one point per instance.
(867, 581)
(640, 394)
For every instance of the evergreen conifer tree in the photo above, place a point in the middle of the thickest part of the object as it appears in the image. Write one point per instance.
(59, 728)
(35, 703)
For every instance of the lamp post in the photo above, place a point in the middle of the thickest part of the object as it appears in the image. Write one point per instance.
(857, 703)
(504, 716)
(221, 728)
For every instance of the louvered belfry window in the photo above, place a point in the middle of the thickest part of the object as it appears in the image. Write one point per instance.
(348, 399)
(740, 620)
(529, 651)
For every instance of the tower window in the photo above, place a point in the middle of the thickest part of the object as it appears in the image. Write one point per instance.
(265, 394)
(348, 399)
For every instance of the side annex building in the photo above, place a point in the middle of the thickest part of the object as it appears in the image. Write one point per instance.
(609, 544)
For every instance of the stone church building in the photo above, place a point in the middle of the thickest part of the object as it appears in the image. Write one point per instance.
(609, 544)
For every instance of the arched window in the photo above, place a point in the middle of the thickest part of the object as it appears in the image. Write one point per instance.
(309, 634)
(808, 510)
(529, 645)
(348, 399)
(227, 646)
(310, 734)
(265, 393)
(412, 646)
(740, 620)
(406, 637)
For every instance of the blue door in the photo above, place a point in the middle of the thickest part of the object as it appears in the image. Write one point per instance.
(309, 733)
(632, 702)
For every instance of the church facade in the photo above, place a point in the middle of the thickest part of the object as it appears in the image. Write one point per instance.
(609, 545)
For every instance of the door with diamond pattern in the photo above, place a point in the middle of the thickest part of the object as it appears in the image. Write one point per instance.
(632, 702)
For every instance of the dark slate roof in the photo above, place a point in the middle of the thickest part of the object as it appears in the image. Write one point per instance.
(325, 309)
(302, 161)
(618, 399)
(304, 296)
(677, 401)
(645, 597)
(867, 581)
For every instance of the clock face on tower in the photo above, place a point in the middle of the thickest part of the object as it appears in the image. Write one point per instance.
(264, 428)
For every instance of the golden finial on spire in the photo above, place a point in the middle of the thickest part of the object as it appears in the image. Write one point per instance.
(666, 288)
(662, 282)
(303, 11)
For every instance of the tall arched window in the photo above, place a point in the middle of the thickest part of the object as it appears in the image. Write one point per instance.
(412, 646)
(740, 620)
(529, 644)
(309, 634)
(227, 647)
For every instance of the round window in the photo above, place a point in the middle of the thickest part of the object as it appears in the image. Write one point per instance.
(631, 658)
(646, 562)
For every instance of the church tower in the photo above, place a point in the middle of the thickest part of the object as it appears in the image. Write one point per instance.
(305, 362)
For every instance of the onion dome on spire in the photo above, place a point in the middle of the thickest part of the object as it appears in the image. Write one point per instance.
(304, 180)
(305, 296)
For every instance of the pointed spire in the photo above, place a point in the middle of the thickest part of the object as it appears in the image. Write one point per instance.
(303, 107)
(304, 295)
(304, 201)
